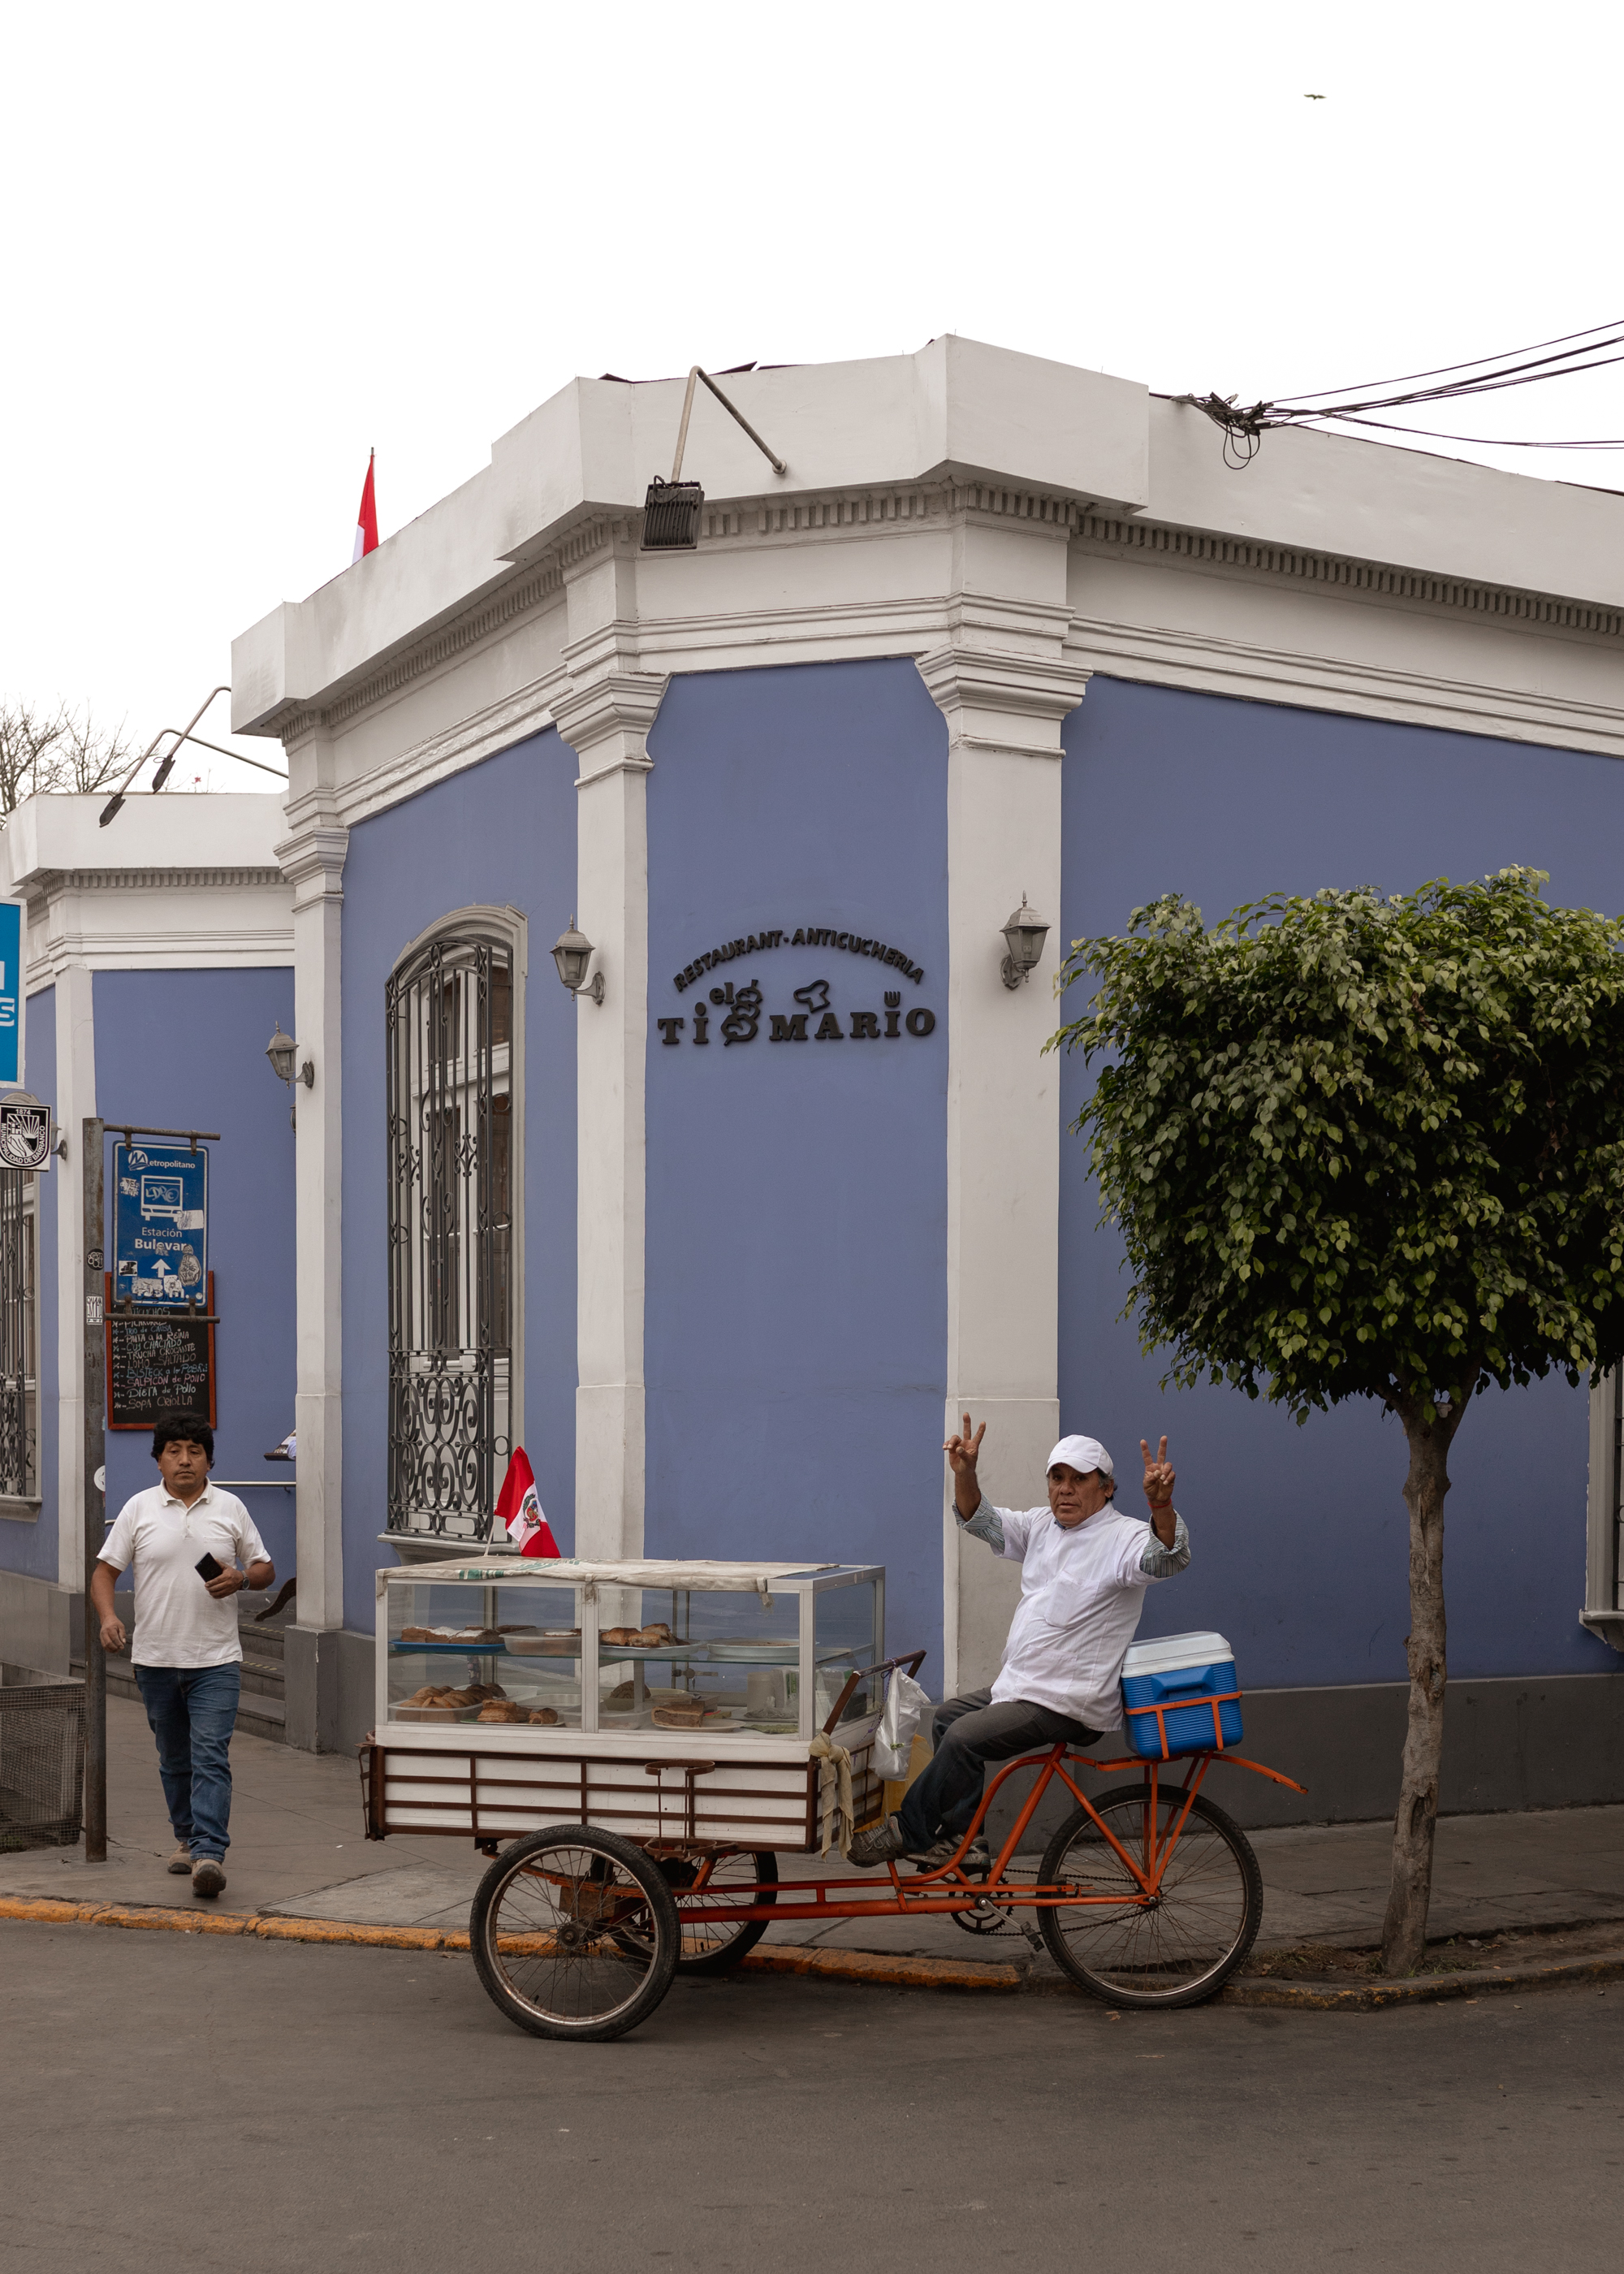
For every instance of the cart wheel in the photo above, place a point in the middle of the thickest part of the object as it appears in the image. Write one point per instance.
(711, 1946)
(1176, 1948)
(549, 1940)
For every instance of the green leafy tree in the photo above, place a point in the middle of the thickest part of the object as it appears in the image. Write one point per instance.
(1360, 1147)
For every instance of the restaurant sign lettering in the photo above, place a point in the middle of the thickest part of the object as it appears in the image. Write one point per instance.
(739, 1010)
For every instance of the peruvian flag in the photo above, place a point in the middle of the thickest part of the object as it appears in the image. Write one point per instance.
(366, 520)
(520, 1511)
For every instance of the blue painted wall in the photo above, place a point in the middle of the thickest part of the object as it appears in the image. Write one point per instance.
(182, 1049)
(32, 1548)
(796, 1323)
(502, 834)
(1300, 1534)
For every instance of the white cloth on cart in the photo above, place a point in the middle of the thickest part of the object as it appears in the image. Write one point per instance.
(564, 1571)
(836, 1817)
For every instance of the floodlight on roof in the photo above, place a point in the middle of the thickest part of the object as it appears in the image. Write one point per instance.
(671, 510)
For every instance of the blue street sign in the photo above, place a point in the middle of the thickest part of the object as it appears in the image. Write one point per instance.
(10, 988)
(161, 1223)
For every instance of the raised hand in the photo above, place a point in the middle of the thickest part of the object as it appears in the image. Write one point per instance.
(1158, 1475)
(1159, 1480)
(963, 1451)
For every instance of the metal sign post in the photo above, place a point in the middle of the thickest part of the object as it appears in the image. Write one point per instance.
(96, 1457)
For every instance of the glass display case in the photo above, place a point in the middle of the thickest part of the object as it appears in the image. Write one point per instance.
(740, 1653)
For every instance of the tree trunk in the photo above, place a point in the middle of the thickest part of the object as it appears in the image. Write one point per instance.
(1429, 1429)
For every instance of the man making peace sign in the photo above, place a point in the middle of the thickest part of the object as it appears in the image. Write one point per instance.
(1084, 1570)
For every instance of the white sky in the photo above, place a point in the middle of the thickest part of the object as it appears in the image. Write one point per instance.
(243, 244)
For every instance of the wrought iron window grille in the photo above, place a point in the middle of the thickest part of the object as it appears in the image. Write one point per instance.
(449, 1044)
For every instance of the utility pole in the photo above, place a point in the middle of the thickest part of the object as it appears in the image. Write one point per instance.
(95, 1497)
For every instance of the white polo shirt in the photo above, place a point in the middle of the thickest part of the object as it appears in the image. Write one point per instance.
(178, 1622)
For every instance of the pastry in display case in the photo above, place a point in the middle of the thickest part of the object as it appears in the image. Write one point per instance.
(601, 1674)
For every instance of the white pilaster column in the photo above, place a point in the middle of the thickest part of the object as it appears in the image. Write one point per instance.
(1003, 710)
(605, 718)
(312, 859)
(76, 1096)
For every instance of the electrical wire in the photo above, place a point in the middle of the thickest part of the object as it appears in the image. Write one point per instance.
(1403, 379)
(1484, 441)
(1243, 425)
(1491, 383)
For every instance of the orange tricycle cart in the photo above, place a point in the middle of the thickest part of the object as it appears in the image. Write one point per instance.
(635, 1746)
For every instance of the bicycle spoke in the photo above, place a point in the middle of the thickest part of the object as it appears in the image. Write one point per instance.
(1177, 1942)
(565, 1938)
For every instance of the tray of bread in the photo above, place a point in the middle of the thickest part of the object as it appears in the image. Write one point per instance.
(651, 1641)
(509, 1713)
(437, 1701)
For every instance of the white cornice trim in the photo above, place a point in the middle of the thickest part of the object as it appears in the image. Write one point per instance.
(49, 884)
(1207, 663)
(238, 949)
(1200, 549)
(528, 710)
(920, 624)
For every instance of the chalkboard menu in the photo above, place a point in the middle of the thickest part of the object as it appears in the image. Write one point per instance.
(160, 1362)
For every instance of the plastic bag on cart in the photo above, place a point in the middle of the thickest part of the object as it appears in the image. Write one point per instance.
(893, 1740)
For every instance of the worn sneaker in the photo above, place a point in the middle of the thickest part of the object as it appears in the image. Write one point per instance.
(207, 1876)
(975, 1862)
(180, 1861)
(881, 1844)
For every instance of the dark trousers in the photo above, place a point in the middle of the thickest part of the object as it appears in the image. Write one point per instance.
(969, 1732)
(192, 1711)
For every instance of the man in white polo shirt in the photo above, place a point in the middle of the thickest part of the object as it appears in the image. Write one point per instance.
(188, 1651)
(1084, 1570)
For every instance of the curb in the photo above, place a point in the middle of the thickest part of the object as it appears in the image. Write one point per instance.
(1422, 1989)
(166, 1920)
(865, 1966)
(871, 1966)
(785, 1958)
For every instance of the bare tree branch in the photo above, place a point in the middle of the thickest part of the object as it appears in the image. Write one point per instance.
(45, 753)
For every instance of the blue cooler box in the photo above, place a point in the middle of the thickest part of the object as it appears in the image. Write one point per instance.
(1179, 1695)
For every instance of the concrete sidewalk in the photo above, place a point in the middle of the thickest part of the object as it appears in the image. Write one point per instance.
(298, 1851)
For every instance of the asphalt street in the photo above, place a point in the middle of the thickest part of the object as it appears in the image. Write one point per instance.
(168, 2100)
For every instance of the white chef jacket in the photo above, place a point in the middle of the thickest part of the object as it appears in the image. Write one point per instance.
(1081, 1593)
(178, 1622)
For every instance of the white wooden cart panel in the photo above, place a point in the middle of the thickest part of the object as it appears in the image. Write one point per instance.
(753, 1801)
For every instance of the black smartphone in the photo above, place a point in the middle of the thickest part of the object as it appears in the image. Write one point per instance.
(209, 1567)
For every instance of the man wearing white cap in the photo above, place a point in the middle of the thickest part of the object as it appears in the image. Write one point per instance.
(1084, 1570)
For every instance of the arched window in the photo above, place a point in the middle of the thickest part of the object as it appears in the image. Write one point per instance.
(453, 1014)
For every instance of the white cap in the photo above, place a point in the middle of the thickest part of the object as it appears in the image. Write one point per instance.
(1081, 1454)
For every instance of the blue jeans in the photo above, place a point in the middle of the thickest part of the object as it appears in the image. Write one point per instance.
(192, 1711)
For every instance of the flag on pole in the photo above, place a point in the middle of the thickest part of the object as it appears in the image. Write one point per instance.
(366, 520)
(518, 1509)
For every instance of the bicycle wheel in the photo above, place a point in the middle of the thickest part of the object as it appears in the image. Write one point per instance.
(1176, 1947)
(548, 1932)
(710, 1945)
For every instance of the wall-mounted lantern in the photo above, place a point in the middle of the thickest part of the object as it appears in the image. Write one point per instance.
(572, 952)
(1026, 932)
(281, 1050)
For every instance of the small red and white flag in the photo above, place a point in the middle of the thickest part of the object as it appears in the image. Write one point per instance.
(366, 520)
(518, 1509)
